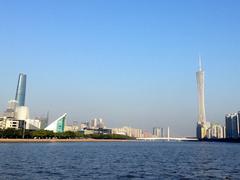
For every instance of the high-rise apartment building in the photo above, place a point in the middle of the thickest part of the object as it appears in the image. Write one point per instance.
(238, 124)
(21, 89)
(232, 125)
(96, 123)
(158, 132)
(216, 131)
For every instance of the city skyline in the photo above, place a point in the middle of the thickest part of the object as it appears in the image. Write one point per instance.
(136, 69)
(200, 76)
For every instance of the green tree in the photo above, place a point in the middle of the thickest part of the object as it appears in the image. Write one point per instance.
(42, 134)
(12, 133)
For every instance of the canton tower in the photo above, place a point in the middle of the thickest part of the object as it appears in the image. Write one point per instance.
(201, 94)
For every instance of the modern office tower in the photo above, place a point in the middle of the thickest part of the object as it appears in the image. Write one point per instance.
(232, 125)
(168, 133)
(200, 131)
(162, 132)
(96, 123)
(228, 123)
(158, 132)
(235, 125)
(21, 89)
(201, 96)
(239, 124)
(57, 125)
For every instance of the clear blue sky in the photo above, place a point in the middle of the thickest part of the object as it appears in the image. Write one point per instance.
(131, 62)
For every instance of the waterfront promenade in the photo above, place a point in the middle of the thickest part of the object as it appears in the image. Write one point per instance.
(60, 140)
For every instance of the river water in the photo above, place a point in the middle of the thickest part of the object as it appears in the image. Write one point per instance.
(120, 160)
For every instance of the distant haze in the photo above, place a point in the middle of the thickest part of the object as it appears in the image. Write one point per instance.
(129, 62)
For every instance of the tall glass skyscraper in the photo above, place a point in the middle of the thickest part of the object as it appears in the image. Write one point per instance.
(21, 89)
(201, 95)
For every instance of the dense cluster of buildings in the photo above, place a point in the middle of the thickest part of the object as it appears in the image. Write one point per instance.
(207, 130)
(97, 126)
(128, 131)
(94, 126)
(17, 114)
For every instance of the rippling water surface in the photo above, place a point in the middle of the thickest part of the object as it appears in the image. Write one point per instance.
(123, 160)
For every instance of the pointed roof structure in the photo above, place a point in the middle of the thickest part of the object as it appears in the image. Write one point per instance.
(200, 63)
(57, 125)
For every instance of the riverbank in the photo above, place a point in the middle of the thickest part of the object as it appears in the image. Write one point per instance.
(60, 140)
(221, 140)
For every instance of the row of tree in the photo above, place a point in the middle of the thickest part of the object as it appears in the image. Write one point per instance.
(43, 134)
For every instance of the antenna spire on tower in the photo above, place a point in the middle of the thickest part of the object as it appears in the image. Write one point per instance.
(200, 62)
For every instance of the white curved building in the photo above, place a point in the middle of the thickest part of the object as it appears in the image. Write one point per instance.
(57, 125)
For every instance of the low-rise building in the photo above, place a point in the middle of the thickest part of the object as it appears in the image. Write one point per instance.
(128, 131)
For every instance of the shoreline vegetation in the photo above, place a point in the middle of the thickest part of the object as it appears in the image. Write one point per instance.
(44, 136)
(13, 135)
(61, 140)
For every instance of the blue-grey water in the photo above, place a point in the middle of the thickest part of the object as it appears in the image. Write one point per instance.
(123, 160)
